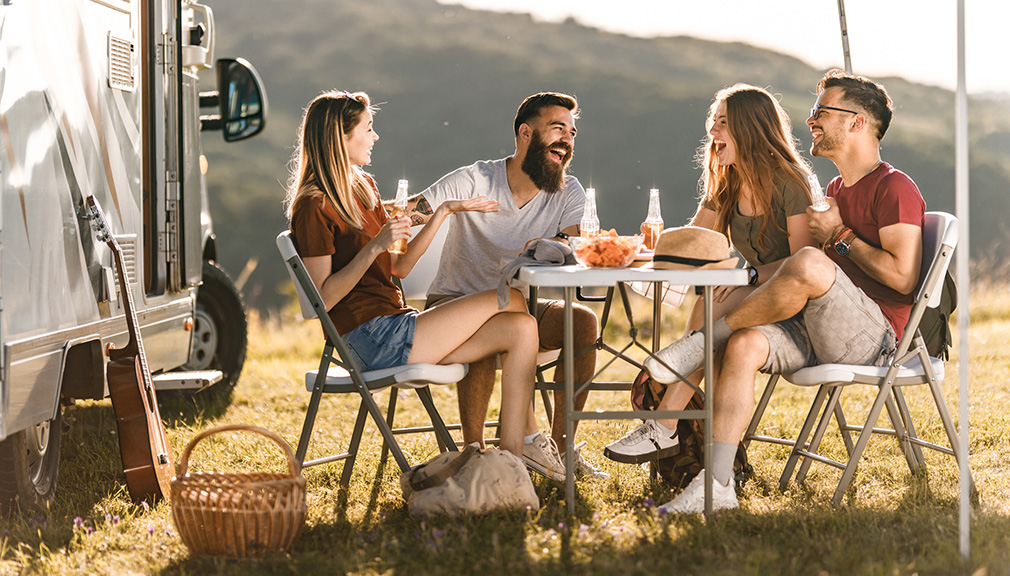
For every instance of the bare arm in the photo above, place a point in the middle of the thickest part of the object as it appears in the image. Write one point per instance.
(798, 227)
(895, 264)
(404, 263)
(419, 210)
(333, 286)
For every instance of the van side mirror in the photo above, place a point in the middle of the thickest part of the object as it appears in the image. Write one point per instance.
(240, 98)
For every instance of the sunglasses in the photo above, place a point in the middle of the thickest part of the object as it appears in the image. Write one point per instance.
(815, 112)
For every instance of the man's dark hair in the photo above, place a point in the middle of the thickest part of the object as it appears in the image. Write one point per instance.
(864, 93)
(531, 106)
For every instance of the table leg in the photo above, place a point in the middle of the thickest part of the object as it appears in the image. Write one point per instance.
(709, 400)
(657, 312)
(569, 356)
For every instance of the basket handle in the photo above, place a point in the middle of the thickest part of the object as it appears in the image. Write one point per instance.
(293, 464)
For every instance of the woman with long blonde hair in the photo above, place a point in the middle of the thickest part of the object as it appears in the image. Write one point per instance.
(754, 190)
(343, 235)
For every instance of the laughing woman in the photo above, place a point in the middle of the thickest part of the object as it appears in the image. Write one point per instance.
(754, 190)
(343, 235)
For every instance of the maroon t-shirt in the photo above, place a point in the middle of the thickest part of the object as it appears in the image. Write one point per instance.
(319, 231)
(882, 198)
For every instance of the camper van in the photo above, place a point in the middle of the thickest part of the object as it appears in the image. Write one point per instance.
(101, 99)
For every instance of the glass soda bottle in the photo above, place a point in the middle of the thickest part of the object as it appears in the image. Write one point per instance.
(589, 226)
(817, 194)
(399, 209)
(653, 224)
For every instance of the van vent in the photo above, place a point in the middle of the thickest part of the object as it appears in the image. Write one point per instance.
(121, 64)
(128, 242)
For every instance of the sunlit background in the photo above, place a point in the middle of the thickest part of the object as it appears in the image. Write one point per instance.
(914, 39)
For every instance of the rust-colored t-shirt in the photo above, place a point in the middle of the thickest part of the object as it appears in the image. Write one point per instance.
(319, 231)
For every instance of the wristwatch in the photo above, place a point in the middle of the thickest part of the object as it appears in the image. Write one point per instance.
(752, 275)
(562, 235)
(844, 242)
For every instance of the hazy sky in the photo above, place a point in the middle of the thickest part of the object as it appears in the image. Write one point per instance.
(915, 39)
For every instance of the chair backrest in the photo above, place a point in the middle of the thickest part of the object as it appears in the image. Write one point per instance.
(415, 285)
(292, 261)
(939, 238)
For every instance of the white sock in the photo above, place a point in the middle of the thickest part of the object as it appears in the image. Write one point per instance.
(723, 455)
(529, 439)
(664, 430)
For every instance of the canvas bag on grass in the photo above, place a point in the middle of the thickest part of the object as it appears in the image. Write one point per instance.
(473, 481)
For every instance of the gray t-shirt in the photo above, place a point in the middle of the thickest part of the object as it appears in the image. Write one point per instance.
(476, 242)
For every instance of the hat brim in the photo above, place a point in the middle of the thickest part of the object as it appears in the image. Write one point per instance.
(720, 265)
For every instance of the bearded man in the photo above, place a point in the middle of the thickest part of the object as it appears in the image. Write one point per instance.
(537, 199)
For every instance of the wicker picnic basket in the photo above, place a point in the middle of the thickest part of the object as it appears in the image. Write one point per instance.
(238, 514)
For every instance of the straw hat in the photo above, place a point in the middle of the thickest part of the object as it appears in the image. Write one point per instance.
(688, 247)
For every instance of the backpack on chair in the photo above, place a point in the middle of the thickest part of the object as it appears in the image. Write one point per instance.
(680, 468)
(935, 323)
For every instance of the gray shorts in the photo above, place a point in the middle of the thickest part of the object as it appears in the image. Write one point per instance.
(844, 326)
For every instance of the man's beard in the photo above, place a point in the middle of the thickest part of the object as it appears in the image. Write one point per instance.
(547, 174)
(826, 144)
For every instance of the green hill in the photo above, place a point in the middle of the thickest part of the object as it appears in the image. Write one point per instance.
(449, 80)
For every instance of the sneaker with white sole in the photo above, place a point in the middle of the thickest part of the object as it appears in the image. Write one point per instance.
(678, 360)
(692, 499)
(583, 468)
(542, 456)
(646, 443)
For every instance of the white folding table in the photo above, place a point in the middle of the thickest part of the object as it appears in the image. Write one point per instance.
(571, 277)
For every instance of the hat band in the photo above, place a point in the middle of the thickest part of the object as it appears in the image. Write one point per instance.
(682, 260)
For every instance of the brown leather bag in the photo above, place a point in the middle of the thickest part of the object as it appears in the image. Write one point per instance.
(680, 468)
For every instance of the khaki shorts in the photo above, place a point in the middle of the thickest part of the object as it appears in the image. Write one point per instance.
(843, 326)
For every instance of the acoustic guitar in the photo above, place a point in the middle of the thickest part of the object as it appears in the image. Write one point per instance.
(146, 457)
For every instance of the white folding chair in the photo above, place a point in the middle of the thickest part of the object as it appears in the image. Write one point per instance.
(338, 373)
(911, 365)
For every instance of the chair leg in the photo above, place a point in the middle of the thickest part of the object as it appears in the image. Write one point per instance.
(352, 448)
(843, 427)
(948, 425)
(390, 416)
(759, 411)
(822, 427)
(864, 438)
(380, 423)
(545, 395)
(901, 421)
(801, 438)
(442, 436)
(313, 408)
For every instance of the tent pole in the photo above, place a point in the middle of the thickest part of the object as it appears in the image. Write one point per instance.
(963, 279)
(845, 36)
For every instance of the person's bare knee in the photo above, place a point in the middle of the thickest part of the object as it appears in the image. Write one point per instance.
(809, 270)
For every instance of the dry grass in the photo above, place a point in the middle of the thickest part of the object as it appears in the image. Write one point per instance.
(890, 522)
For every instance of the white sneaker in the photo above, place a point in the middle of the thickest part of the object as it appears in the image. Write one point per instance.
(583, 468)
(678, 360)
(692, 499)
(645, 443)
(541, 456)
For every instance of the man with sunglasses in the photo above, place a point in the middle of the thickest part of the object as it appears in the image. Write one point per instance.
(847, 302)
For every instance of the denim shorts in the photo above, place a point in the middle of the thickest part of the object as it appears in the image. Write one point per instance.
(383, 341)
(844, 326)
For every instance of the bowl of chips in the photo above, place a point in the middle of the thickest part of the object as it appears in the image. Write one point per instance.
(608, 250)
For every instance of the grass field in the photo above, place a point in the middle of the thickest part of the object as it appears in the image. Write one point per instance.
(890, 522)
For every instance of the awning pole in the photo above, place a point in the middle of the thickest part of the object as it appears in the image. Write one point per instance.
(845, 36)
(963, 279)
